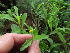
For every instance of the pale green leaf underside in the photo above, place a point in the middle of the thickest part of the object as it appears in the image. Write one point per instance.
(9, 12)
(16, 10)
(43, 36)
(68, 43)
(15, 29)
(6, 16)
(26, 44)
(24, 16)
(40, 37)
(62, 38)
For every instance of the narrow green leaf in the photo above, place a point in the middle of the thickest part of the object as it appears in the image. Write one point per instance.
(24, 16)
(32, 4)
(39, 5)
(6, 16)
(9, 12)
(26, 44)
(61, 37)
(15, 29)
(40, 37)
(68, 43)
(62, 29)
(43, 36)
(66, 30)
(54, 45)
(16, 10)
(50, 22)
(50, 40)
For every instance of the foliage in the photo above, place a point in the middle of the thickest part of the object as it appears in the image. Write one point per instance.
(19, 29)
(55, 14)
(51, 19)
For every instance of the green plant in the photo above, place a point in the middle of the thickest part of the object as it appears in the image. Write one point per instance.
(18, 27)
(50, 19)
